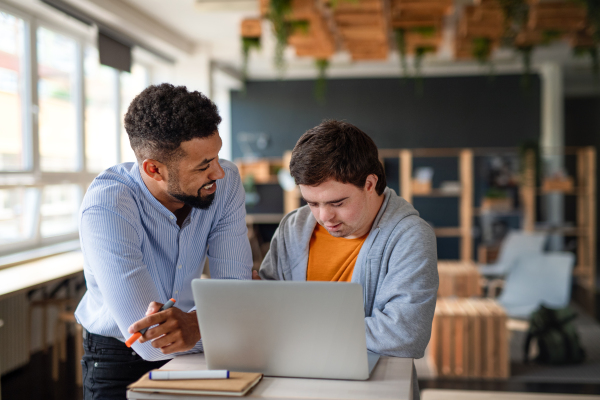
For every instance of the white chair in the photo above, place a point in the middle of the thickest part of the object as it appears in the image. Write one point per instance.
(538, 279)
(514, 245)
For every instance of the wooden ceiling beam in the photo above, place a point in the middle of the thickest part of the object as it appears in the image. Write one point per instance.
(318, 41)
(364, 28)
(560, 16)
(251, 28)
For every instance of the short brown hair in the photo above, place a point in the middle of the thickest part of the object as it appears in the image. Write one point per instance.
(336, 150)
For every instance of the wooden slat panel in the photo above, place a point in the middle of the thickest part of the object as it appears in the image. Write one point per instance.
(251, 28)
(436, 338)
(557, 16)
(447, 340)
(318, 42)
(363, 27)
(470, 339)
(458, 279)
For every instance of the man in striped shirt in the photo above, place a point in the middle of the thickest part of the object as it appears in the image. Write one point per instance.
(146, 229)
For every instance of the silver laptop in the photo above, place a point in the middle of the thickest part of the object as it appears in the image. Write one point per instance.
(294, 329)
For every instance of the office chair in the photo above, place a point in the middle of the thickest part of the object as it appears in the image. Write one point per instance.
(538, 279)
(514, 245)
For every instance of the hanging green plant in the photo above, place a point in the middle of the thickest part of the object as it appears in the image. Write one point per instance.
(420, 53)
(301, 26)
(482, 49)
(533, 147)
(335, 3)
(425, 31)
(593, 16)
(592, 52)
(321, 83)
(526, 55)
(515, 17)
(401, 46)
(278, 10)
(248, 43)
(549, 36)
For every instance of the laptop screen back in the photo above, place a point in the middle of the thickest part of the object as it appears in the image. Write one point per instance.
(296, 329)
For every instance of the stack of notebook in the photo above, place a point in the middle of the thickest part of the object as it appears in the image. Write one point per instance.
(238, 384)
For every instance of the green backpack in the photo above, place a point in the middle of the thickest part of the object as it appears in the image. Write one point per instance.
(556, 336)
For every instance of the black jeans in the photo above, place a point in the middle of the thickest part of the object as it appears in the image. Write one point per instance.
(109, 366)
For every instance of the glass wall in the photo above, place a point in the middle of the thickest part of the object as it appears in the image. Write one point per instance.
(131, 85)
(59, 209)
(17, 222)
(57, 94)
(12, 93)
(101, 133)
(52, 150)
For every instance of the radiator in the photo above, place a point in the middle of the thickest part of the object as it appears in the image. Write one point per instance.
(14, 349)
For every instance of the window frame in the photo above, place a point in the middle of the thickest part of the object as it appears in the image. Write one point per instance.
(32, 176)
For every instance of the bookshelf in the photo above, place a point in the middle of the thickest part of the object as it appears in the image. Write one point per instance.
(584, 228)
(584, 189)
(465, 173)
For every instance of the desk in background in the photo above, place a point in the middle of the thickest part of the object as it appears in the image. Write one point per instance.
(16, 282)
(39, 273)
(391, 379)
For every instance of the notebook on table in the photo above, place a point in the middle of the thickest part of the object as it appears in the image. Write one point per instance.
(238, 384)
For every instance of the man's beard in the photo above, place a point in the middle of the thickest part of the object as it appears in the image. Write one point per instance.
(199, 201)
(203, 203)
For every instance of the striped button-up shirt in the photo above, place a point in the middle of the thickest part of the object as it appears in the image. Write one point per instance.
(135, 252)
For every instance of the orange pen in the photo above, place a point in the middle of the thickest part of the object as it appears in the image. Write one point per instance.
(137, 335)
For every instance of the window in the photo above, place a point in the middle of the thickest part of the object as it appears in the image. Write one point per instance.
(16, 224)
(61, 123)
(131, 85)
(12, 93)
(59, 210)
(57, 94)
(101, 124)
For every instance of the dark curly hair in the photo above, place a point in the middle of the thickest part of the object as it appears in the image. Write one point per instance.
(336, 150)
(163, 116)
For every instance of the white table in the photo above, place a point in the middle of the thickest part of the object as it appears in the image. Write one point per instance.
(391, 379)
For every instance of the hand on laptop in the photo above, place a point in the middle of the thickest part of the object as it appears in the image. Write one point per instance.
(255, 276)
(176, 331)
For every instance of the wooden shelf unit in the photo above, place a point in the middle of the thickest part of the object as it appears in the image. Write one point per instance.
(465, 173)
(585, 225)
(584, 191)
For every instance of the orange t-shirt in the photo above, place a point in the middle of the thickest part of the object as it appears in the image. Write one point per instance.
(332, 258)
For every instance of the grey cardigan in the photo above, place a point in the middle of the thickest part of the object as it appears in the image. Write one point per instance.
(396, 266)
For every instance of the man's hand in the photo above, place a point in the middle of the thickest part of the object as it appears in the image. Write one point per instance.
(176, 331)
(255, 276)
